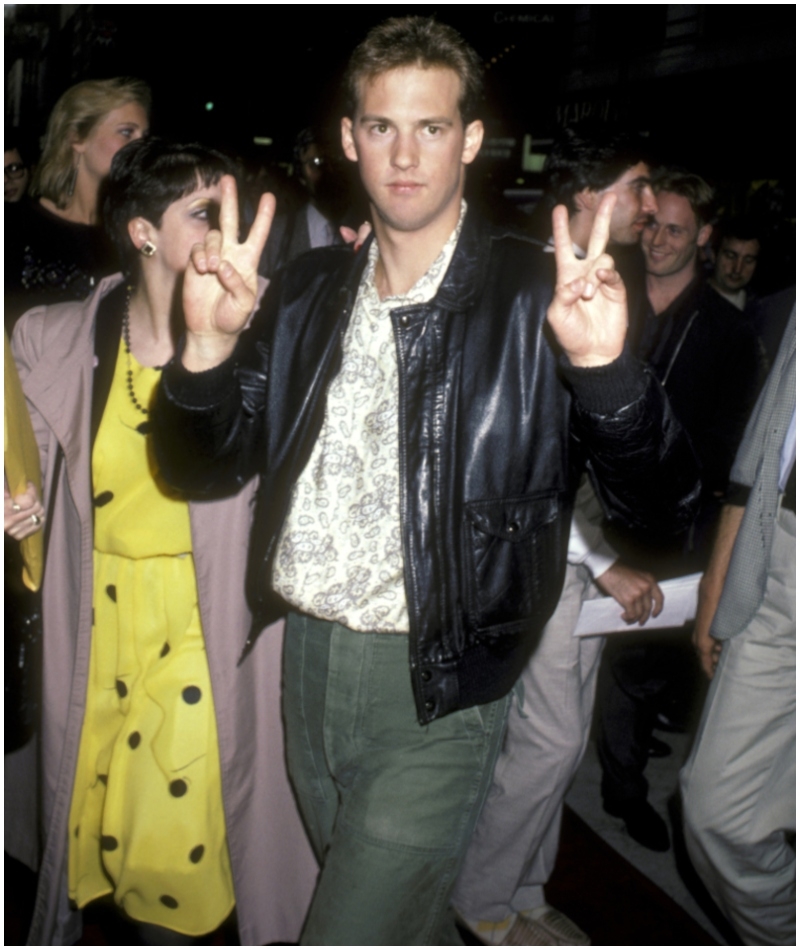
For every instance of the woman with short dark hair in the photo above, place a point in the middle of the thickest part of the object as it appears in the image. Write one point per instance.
(165, 787)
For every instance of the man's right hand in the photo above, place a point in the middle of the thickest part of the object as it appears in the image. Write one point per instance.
(636, 591)
(219, 289)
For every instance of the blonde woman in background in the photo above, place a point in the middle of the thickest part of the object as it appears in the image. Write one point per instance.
(55, 249)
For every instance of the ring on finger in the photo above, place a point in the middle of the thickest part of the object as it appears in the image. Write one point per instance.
(15, 507)
(36, 519)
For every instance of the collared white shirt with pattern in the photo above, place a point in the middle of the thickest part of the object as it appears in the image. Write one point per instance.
(340, 553)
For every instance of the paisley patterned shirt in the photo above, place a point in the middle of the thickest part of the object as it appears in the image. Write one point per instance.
(340, 553)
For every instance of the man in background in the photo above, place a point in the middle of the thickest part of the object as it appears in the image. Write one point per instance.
(500, 893)
(735, 260)
(707, 357)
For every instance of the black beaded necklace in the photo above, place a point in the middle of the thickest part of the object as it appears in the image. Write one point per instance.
(126, 336)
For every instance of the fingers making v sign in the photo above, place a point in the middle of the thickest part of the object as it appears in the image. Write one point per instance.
(588, 312)
(219, 290)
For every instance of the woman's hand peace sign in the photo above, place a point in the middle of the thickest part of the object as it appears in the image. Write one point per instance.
(219, 289)
(588, 312)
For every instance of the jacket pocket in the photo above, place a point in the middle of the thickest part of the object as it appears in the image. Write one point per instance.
(512, 555)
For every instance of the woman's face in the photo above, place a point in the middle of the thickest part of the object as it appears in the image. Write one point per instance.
(184, 224)
(107, 137)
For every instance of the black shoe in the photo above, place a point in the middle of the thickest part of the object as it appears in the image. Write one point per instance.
(642, 823)
(657, 749)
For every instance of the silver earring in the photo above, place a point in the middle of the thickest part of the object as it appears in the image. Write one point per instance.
(148, 249)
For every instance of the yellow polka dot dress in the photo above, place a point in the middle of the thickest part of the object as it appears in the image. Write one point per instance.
(146, 820)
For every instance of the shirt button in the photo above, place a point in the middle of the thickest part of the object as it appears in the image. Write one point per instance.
(430, 705)
(426, 676)
(513, 527)
(404, 320)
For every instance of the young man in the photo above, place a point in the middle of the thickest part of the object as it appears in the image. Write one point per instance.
(735, 260)
(500, 892)
(407, 416)
(708, 359)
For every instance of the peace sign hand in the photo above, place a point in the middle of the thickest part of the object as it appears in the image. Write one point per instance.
(588, 312)
(219, 289)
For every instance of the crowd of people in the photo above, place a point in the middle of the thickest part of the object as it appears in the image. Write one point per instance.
(319, 507)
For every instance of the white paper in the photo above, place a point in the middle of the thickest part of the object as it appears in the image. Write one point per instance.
(602, 615)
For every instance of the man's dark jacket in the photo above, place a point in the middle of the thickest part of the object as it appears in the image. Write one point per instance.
(491, 444)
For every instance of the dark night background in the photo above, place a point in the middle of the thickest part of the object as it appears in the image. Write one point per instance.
(713, 86)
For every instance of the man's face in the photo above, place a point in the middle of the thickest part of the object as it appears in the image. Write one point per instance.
(635, 204)
(16, 175)
(735, 264)
(411, 147)
(671, 239)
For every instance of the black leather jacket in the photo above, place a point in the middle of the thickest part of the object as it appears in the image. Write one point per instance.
(491, 444)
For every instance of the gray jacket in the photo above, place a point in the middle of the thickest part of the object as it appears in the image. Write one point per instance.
(757, 466)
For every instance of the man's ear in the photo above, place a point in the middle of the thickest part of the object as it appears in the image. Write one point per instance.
(703, 235)
(140, 231)
(473, 137)
(586, 200)
(348, 142)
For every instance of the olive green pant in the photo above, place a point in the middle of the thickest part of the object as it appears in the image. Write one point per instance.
(389, 805)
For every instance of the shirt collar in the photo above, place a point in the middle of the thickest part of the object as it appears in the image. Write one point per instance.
(426, 287)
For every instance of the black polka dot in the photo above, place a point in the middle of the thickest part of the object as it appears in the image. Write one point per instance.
(103, 498)
(144, 428)
(196, 853)
(134, 739)
(122, 689)
(77, 830)
(111, 590)
(165, 649)
(191, 695)
(168, 901)
(178, 788)
(103, 779)
(108, 843)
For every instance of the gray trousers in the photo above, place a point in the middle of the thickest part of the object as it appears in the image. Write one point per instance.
(739, 782)
(513, 849)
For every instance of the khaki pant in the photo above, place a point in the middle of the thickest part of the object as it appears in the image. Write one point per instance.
(739, 782)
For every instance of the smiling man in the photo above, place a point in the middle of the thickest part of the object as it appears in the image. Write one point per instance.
(708, 359)
(416, 427)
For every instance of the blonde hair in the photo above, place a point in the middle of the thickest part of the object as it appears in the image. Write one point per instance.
(73, 117)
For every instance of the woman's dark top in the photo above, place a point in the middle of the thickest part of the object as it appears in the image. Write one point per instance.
(48, 259)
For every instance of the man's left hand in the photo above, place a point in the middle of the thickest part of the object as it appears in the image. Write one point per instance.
(588, 313)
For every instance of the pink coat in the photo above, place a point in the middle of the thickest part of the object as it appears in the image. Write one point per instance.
(274, 871)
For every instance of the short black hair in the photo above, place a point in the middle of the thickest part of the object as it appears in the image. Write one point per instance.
(304, 138)
(15, 138)
(592, 158)
(740, 228)
(416, 41)
(146, 177)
